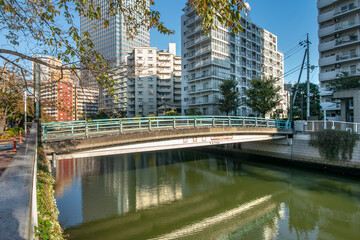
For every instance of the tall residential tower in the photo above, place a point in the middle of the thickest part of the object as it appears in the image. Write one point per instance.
(339, 46)
(208, 60)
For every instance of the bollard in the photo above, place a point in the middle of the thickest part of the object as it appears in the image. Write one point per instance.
(20, 137)
(14, 149)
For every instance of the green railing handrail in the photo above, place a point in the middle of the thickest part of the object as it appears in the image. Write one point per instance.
(85, 128)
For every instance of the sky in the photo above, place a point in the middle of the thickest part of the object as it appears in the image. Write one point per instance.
(289, 20)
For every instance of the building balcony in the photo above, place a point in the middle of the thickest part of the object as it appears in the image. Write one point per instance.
(323, 17)
(325, 92)
(327, 76)
(324, 3)
(326, 31)
(327, 61)
(339, 42)
(177, 74)
(340, 26)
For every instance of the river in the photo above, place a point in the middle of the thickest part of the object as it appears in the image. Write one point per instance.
(191, 194)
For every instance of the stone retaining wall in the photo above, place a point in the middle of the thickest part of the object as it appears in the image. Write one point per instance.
(298, 151)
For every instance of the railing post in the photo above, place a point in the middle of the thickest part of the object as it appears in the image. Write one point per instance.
(97, 126)
(213, 121)
(313, 126)
(256, 122)
(229, 119)
(356, 127)
(174, 126)
(72, 128)
(157, 122)
(194, 122)
(86, 130)
(267, 123)
(149, 124)
(139, 123)
(120, 127)
(243, 123)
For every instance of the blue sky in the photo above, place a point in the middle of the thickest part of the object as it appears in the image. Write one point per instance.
(290, 20)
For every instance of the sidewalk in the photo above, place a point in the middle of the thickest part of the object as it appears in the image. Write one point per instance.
(6, 153)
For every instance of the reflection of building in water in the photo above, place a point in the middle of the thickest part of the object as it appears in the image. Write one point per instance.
(65, 173)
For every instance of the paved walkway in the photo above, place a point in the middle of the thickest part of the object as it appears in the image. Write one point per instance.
(6, 153)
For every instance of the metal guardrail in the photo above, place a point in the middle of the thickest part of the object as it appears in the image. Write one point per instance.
(314, 126)
(76, 129)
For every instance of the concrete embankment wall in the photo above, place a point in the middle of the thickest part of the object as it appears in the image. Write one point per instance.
(296, 151)
(18, 208)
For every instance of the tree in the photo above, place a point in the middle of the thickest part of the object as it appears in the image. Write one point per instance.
(172, 113)
(345, 81)
(263, 95)
(315, 108)
(49, 28)
(11, 98)
(229, 96)
(193, 111)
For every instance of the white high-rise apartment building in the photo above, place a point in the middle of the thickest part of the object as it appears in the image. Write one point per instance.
(339, 47)
(112, 41)
(208, 60)
(154, 81)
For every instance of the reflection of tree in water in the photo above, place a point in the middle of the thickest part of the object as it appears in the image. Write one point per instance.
(303, 215)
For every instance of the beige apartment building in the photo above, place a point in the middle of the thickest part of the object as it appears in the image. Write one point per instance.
(153, 81)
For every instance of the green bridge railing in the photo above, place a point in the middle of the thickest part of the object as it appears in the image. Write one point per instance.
(81, 129)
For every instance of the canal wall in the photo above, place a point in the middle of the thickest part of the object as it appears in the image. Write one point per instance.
(297, 151)
(18, 206)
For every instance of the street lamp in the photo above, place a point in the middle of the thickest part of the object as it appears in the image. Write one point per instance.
(25, 109)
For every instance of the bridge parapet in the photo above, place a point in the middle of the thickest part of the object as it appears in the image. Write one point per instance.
(94, 128)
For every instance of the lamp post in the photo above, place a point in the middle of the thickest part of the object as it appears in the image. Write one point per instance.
(25, 109)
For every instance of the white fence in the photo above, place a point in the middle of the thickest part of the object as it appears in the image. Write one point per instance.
(313, 126)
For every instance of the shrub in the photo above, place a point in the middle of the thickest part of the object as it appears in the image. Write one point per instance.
(48, 225)
(331, 142)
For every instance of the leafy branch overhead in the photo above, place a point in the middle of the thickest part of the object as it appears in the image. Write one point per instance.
(49, 28)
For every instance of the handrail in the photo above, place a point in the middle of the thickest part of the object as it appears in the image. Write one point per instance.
(57, 130)
(318, 125)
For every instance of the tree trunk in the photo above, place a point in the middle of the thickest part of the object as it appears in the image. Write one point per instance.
(2, 124)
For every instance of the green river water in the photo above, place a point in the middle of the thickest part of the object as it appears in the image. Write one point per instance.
(190, 194)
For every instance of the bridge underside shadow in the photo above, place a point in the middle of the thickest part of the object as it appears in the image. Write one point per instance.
(160, 140)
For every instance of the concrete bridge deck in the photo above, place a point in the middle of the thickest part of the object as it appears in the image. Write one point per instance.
(160, 140)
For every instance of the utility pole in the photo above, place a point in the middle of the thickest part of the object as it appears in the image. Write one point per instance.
(308, 77)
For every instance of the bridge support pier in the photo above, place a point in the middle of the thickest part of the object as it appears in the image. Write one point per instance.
(54, 161)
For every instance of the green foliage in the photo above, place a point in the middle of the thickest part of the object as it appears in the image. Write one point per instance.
(315, 107)
(48, 225)
(345, 81)
(229, 97)
(331, 142)
(193, 111)
(151, 116)
(172, 113)
(264, 95)
(11, 132)
(227, 13)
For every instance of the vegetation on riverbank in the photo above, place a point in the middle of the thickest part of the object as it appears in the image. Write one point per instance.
(48, 225)
(331, 143)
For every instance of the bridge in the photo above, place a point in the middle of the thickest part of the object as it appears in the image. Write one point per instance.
(126, 135)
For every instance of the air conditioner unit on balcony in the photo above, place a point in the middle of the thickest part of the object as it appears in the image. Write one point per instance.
(337, 65)
(336, 20)
(337, 35)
